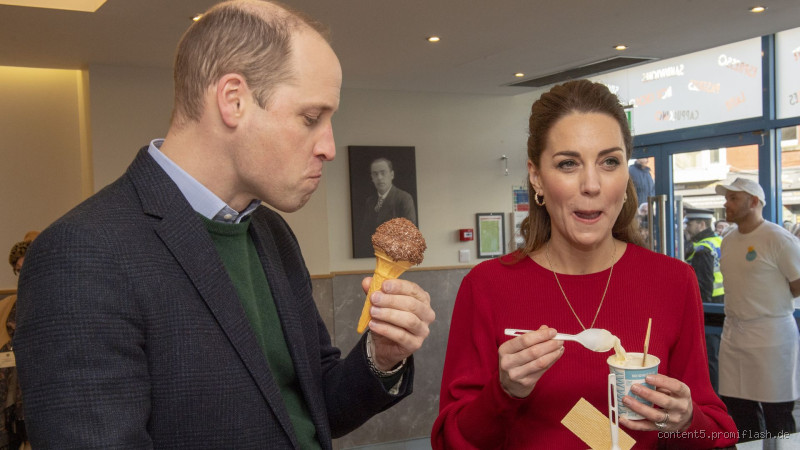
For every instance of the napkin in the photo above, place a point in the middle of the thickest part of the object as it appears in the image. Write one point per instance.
(593, 427)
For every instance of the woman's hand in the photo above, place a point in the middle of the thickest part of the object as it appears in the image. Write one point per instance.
(671, 395)
(524, 359)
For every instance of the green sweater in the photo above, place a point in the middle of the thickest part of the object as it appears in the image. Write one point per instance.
(238, 253)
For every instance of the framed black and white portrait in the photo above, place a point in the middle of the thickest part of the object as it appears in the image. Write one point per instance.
(383, 185)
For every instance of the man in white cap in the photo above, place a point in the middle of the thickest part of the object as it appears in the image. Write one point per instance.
(759, 376)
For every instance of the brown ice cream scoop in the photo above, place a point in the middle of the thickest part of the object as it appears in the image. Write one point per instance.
(400, 240)
(398, 245)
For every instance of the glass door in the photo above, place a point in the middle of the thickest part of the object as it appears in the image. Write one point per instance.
(695, 176)
(686, 174)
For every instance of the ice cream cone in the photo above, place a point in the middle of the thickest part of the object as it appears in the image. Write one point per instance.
(385, 269)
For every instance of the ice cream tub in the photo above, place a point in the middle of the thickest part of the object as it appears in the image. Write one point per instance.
(628, 373)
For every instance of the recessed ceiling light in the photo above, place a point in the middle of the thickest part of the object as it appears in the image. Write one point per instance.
(433, 39)
(758, 9)
(519, 74)
(197, 17)
(620, 47)
(69, 5)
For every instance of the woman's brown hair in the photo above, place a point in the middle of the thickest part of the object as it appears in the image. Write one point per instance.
(579, 96)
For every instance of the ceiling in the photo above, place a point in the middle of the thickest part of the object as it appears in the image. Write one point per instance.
(382, 44)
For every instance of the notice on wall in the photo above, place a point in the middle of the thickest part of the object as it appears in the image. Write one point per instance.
(520, 206)
(519, 198)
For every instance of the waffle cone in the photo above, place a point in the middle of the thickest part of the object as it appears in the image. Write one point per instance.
(385, 269)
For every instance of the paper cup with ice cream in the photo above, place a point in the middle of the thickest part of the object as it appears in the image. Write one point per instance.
(629, 372)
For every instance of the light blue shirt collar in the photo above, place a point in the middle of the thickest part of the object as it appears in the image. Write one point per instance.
(199, 197)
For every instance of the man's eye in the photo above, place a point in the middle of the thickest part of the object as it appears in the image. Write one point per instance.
(311, 120)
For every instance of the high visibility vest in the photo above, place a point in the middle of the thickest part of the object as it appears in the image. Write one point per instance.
(713, 244)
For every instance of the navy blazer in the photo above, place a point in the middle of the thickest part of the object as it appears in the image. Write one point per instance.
(131, 335)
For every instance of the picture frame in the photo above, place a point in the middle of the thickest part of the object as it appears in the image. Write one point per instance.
(490, 234)
(396, 167)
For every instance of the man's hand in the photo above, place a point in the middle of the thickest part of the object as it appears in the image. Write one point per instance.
(401, 312)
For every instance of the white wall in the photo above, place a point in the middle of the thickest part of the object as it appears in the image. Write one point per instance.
(41, 154)
(129, 107)
(459, 142)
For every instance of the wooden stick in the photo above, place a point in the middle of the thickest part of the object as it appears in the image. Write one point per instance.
(646, 341)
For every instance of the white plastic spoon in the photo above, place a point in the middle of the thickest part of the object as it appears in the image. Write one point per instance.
(595, 339)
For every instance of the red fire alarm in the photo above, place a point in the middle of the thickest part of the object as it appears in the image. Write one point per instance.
(465, 234)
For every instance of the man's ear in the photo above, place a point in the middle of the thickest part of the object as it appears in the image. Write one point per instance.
(231, 94)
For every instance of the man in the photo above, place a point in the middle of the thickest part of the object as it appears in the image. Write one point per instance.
(642, 179)
(703, 253)
(386, 203)
(758, 358)
(172, 309)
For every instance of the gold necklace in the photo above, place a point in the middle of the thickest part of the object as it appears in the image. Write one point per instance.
(602, 299)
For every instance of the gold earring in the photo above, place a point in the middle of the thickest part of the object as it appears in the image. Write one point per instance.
(536, 199)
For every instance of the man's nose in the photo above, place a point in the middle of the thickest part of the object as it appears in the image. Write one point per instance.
(325, 147)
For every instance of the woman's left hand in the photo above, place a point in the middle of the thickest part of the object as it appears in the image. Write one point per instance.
(674, 399)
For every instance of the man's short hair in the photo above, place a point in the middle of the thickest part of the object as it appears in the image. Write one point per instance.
(248, 37)
(389, 163)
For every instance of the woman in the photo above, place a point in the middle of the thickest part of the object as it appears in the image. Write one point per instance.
(581, 267)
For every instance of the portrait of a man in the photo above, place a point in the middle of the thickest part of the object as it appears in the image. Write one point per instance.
(383, 187)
